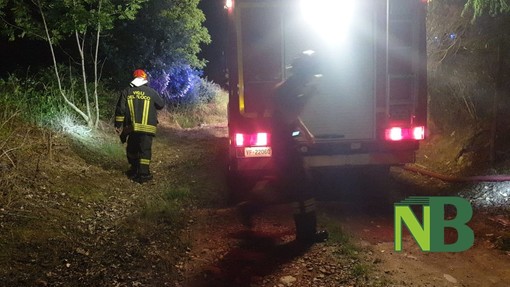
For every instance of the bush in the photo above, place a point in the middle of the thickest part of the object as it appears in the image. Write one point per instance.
(181, 85)
(32, 100)
(36, 98)
(211, 109)
(191, 100)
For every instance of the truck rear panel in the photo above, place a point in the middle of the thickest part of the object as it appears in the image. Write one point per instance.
(371, 104)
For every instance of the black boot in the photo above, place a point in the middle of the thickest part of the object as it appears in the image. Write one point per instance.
(142, 178)
(246, 211)
(306, 229)
(321, 236)
(132, 172)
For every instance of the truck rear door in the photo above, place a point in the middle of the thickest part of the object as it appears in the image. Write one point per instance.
(342, 35)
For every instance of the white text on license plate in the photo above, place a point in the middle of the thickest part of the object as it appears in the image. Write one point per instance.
(257, 152)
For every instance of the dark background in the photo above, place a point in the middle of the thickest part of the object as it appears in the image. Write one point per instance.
(216, 20)
(22, 55)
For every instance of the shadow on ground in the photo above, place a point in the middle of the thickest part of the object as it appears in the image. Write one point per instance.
(256, 255)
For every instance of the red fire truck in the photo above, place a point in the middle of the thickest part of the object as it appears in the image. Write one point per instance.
(371, 106)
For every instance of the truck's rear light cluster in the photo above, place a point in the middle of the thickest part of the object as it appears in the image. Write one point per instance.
(229, 4)
(257, 139)
(399, 134)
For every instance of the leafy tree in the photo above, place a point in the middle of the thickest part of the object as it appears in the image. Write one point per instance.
(499, 10)
(55, 21)
(174, 38)
(492, 7)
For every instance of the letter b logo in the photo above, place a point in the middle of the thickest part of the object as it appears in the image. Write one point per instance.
(430, 234)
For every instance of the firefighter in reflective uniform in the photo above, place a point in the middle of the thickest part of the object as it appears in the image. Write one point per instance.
(292, 179)
(289, 101)
(136, 121)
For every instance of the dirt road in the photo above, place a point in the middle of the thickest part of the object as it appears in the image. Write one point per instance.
(358, 211)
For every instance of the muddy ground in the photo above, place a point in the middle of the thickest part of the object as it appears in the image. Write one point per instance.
(72, 218)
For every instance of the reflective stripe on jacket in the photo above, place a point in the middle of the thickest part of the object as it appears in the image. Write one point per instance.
(137, 107)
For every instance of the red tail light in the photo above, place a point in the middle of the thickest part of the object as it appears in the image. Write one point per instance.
(394, 134)
(399, 134)
(261, 139)
(419, 133)
(239, 140)
(258, 139)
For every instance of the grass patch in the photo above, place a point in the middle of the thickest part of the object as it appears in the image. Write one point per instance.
(86, 194)
(179, 194)
(157, 211)
(100, 149)
(338, 236)
(167, 206)
(361, 270)
(193, 115)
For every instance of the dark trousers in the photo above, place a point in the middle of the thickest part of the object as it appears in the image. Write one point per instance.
(292, 184)
(295, 183)
(139, 152)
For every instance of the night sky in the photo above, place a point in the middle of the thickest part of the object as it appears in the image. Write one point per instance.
(216, 19)
(20, 55)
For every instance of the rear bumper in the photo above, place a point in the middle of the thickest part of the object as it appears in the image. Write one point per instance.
(253, 164)
(334, 155)
(266, 166)
(360, 159)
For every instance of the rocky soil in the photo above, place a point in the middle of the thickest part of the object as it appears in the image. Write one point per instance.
(72, 218)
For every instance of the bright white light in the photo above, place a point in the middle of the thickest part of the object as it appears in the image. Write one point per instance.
(419, 133)
(228, 4)
(239, 140)
(331, 18)
(71, 126)
(395, 134)
(261, 139)
(309, 52)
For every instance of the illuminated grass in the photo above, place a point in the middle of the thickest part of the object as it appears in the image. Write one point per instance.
(188, 116)
(99, 148)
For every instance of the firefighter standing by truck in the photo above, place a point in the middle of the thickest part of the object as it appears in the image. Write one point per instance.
(292, 180)
(135, 122)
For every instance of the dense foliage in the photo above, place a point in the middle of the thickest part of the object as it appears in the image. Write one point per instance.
(166, 35)
(161, 35)
(493, 7)
(24, 18)
(181, 85)
(58, 21)
(30, 99)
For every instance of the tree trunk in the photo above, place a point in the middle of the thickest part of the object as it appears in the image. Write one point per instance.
(55, 66)
(496, 98)
(81, 45)
(96, 79)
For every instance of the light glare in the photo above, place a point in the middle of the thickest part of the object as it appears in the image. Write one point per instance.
(261, 139)
(331, 18)
(419, 133)
(228, 4)
(395, 134)
(398, 133)
(239, 140)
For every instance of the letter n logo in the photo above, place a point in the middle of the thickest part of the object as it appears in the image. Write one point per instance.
(429, 234)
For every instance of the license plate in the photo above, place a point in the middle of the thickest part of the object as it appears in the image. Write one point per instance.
(257, 152)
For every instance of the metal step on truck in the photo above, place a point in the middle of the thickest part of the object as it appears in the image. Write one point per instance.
(371, 105)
